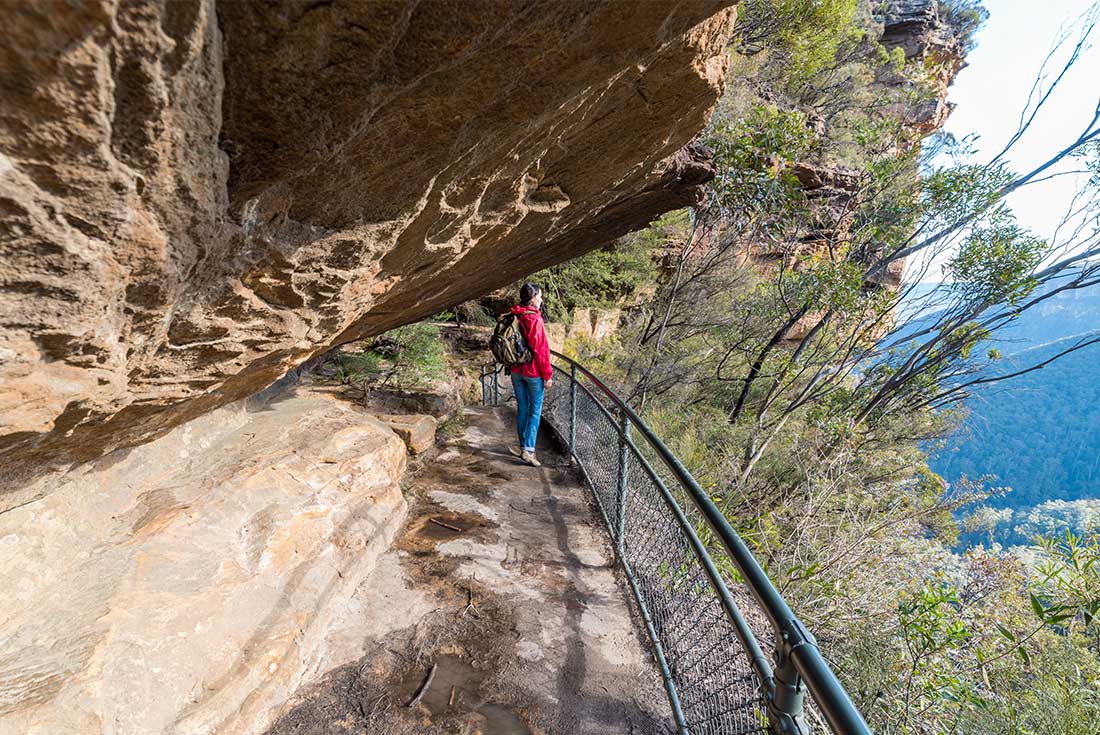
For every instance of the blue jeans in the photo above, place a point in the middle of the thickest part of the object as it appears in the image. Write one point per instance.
(528, 409)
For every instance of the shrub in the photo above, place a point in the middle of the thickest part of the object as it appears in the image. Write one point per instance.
(409, 357)
(964, 17)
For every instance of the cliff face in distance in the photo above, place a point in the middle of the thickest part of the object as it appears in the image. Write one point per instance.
(920, 30)
(833, 193)
(198, 196)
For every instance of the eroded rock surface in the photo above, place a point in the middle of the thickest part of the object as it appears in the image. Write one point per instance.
(416, 430)
(197, 196)
(921, 29)
(190, 585)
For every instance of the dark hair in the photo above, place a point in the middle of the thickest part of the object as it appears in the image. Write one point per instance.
(527, 292)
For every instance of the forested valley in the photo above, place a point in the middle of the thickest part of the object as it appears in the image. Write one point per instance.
(1033, 440)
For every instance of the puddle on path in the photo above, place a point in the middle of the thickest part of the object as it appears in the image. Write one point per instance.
(453, 672)
(502, 721)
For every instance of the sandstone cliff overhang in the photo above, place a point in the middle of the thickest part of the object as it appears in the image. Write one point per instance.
(196, 196)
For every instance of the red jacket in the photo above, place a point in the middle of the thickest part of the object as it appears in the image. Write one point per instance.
(530, 322)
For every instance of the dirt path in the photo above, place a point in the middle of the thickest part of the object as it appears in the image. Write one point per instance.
(501, 579)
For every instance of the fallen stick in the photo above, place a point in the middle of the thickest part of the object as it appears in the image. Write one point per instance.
(451, 702)
(445, 525)
(471, 608)
(424, 687)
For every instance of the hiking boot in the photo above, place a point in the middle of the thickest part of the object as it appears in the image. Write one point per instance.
(516, 451)
(529, 458)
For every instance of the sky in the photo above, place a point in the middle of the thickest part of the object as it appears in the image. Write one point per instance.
(990, 92)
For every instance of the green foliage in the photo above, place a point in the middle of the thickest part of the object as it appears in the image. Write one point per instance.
(931, 626)
(760, 140)
(356, 367)
(830, 284)
(409, 357)
(995, 263)
(951, 194)
(1068, 591)
(762, 364)
(414, 354)
(803, 35)
(752, 152)
(964, 338)
(815, 34)
(698, 436)
(837, 501)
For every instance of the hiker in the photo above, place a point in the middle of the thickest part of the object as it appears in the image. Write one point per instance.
(530, 379)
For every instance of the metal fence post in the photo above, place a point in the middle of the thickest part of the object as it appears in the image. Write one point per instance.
(786, 716)
(496, 388)
(624, 469)
(573, 411)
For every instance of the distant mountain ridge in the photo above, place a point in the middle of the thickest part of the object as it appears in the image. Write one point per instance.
(1038, 433)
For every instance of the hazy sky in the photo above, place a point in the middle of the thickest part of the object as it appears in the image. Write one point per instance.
(992, 90)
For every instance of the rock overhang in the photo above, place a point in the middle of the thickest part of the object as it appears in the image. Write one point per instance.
(198, 196)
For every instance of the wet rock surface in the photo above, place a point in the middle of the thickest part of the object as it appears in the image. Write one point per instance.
(197, 196)
(502, 580)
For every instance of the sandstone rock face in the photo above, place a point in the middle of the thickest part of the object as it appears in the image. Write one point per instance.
(416, 430)
(920, 30)
(594, 324)
(442, 402)
(555, 335)
(196, 196)
(188, 585)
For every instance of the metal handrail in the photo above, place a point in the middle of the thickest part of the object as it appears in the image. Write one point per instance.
(799, 664)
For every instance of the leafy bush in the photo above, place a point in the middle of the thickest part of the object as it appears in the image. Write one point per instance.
(964, 17)
(753, 149)
(413, 355)
(995, 263)
(357, 367)
(409, 357)
(803, 35)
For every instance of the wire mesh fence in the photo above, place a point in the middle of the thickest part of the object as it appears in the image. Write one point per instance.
(708, 630)
(712, 677)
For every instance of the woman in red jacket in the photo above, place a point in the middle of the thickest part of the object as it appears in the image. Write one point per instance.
(531, 379)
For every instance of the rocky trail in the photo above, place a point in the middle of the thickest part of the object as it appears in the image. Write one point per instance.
(501, 585)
